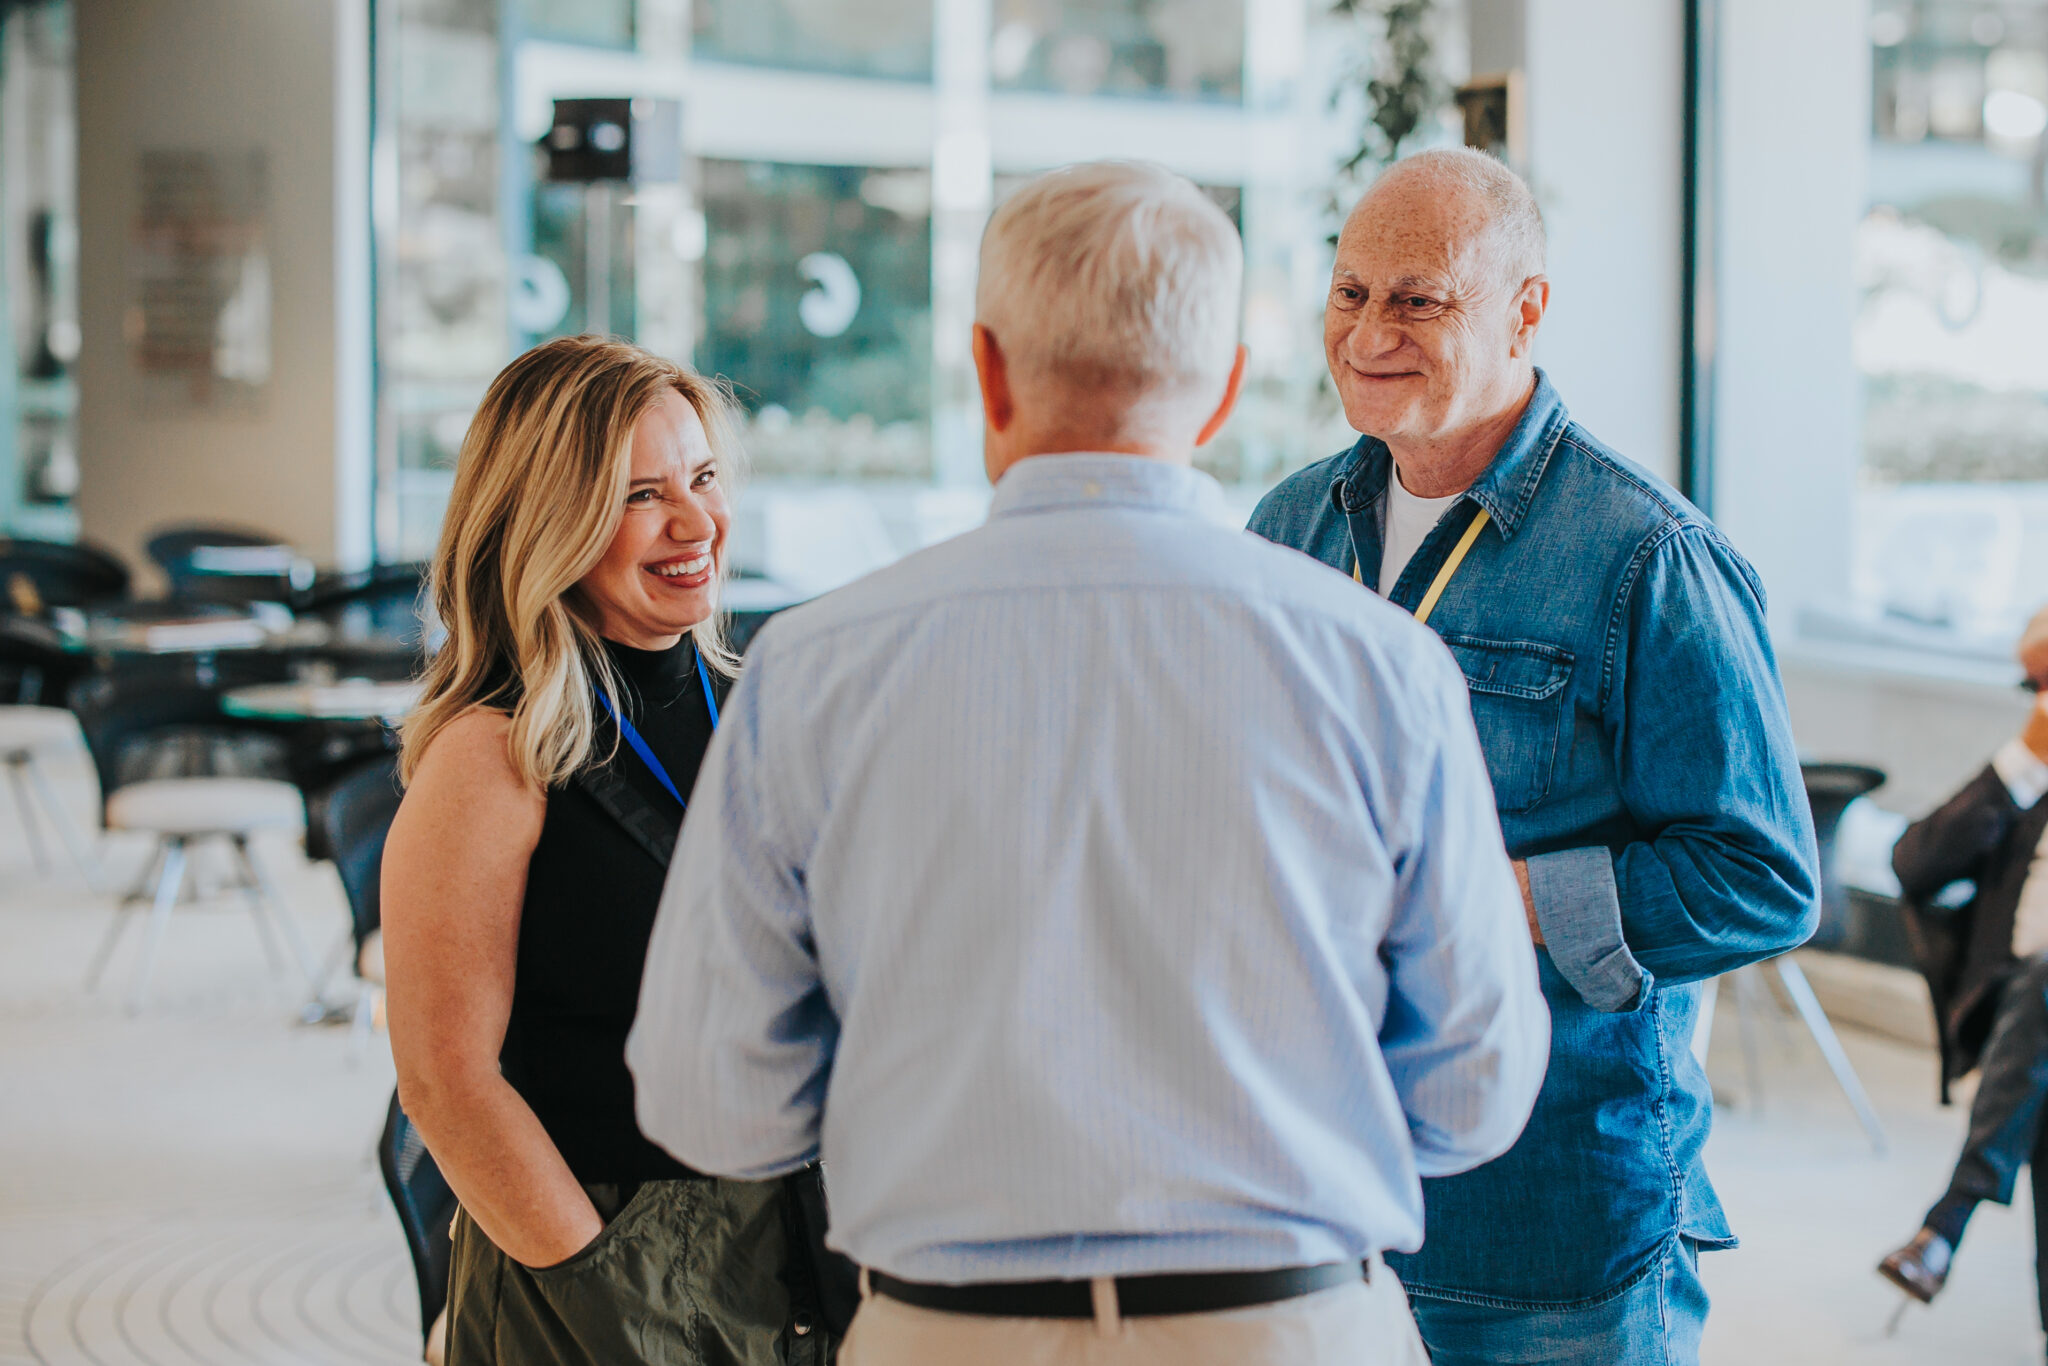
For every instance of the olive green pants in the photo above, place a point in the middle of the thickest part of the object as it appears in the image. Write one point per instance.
(688, 1273)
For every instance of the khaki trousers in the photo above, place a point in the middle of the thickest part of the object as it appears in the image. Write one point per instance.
(1350, 1325)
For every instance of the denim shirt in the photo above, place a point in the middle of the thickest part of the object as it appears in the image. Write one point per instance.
(1627, 698)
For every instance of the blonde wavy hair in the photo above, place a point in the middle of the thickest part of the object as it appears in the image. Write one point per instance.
(540, 487)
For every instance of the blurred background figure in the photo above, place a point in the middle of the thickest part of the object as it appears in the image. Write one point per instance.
(1988, 970)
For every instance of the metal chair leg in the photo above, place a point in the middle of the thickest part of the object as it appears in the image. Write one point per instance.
(1703, 1023)
(261, 912)
(25, 808)
(279, 907)
(1816, 1019)
(362, 1022)
(123, 912)
(169, 884)
(1745, 1021)
(80, 848)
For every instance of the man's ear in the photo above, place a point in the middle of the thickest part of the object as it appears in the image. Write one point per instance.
(1530, 305)
(1223, 410)
(998, 405)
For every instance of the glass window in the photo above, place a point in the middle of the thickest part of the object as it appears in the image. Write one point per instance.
(1184, 49)
(1952, 263)
(38, 272)
(817, 306)
(441, 266)
(600, 23)
(891, 38)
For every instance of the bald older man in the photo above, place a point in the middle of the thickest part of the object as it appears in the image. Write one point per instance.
(1635, 730)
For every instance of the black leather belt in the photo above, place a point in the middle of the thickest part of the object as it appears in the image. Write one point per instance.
(1205, 1292)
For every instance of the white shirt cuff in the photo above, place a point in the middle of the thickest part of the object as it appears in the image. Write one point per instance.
(2024, 773)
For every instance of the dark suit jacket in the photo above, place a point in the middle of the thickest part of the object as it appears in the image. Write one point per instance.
(1981, 835)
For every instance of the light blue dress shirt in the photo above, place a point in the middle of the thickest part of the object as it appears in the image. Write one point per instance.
(1104, 891)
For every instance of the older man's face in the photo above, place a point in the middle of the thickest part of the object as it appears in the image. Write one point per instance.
(1421, 325)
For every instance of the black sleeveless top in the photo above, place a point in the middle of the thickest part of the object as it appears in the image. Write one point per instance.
(591, 894)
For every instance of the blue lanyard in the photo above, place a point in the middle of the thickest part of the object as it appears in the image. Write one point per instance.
(639, 743)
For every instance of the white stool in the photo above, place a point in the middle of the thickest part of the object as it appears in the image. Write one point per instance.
(26, 735)
(179, 811)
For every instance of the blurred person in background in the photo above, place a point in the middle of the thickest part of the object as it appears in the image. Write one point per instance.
(1993, 987)
(1114, 899)
(547, 766)
(1628, 702)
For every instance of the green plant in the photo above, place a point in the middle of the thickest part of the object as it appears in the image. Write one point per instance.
(1402, 84)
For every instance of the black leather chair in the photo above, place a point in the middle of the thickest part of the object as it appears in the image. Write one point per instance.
(201, 563)
(354, 815)
(37, 575)
(1830, 788)
(425, 1208)
(37, 667)
(376, 617)
(172, 766)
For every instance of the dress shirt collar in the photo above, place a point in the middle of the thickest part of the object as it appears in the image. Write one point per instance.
(1507, 485)
(1049, 483)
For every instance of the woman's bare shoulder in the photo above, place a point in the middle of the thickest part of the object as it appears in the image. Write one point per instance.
(468, 762)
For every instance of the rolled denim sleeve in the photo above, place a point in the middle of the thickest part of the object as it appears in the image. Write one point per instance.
(1723, 868)
(1578, 908)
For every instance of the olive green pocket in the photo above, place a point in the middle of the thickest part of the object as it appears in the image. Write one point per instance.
(689, 1273)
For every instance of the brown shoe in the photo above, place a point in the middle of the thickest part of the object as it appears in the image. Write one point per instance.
(1920, 1268)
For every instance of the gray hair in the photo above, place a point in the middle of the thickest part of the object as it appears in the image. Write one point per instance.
(1516, 223)
(1113, 275)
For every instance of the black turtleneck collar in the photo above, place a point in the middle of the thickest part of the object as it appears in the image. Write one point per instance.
(655, 674)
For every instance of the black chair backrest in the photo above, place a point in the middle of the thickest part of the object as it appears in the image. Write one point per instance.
(380, 610)
(1829, 790)
(36, 668)
(355, 815)
(152, 723)
(425, 1208)
(56, 574)
(183, 553)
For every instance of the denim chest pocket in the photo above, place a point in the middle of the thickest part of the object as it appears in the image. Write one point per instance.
(1521, 707)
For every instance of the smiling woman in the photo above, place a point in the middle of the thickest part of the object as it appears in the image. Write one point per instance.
(548, 768)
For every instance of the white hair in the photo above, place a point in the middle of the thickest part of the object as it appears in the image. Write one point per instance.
(1113, 275)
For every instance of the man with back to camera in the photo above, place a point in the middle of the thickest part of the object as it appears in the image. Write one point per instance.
(1629, 706)
(1115, 900)
(1992, 983)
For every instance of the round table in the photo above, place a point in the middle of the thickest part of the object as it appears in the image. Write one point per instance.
(349, 700)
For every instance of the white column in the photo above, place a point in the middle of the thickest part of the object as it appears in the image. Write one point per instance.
(1795, 146)
(962, 188)
(228, 77)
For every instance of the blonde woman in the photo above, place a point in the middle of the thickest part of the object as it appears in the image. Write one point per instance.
(547, 768)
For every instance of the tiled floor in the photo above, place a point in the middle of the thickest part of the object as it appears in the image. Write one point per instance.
(195, 1185)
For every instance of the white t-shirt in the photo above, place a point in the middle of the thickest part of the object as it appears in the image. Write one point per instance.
(1409, 522)
(2026, 778)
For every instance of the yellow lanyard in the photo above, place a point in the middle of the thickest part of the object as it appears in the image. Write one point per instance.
(1443, 576)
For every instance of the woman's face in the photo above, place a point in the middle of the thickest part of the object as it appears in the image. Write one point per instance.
(658, 576)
